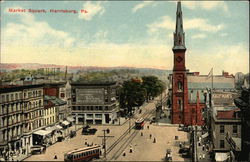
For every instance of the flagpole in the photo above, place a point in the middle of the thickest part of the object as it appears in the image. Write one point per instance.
(212, 78)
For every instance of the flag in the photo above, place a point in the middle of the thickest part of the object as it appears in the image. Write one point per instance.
(210, 74)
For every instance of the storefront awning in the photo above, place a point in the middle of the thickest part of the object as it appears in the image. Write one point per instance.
(221, 156)
(50, 129)
(65, 123)
(70, 119)
(204, 135)
(58, 127)
(42, 132)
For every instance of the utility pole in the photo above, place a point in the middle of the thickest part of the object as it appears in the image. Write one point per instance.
(129, 123)
(75, 120)
(104, 140)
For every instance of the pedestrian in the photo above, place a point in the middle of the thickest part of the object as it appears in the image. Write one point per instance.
(55, 157)
(154, 140)
(124, 153)
(203, 156)
(203, 147)
(130, 149)
(148, 126)
(141, 134)
(200, 156)
(150, 136)
(180, 145)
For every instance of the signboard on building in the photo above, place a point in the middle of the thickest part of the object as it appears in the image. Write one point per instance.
(90, 96)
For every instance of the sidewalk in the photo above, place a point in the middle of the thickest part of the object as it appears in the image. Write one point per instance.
(202, 149)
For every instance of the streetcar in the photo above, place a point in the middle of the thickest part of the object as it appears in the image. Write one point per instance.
(139, 123)
(83, 154)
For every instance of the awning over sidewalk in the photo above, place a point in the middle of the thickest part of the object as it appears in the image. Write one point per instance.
(50, 129)
(219, 156)
(42, 132)
(58, 127)
(65, 123)
(204, 135)
(70, 119)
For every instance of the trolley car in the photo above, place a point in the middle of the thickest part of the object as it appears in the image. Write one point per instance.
(139, 123)
(83, 154)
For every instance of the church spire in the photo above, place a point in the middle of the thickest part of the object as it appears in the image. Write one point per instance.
(179, 35)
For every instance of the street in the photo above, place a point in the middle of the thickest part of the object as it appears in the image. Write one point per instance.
(143, 147)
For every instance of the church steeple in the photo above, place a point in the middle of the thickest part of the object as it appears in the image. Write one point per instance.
(179, 35)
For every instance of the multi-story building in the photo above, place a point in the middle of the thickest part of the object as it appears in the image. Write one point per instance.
(21, 115)
(62, 91)
(50, 112)
(222, 121)
(225, 121)
(243, 102)
(11, 126)
(94, 103)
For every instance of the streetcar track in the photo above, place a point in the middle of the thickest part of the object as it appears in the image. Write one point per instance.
(129, 139)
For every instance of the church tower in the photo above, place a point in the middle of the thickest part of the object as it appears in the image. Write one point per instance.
(180, 111)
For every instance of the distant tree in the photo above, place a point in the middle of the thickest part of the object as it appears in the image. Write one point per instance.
(132, 94)
(153, 85)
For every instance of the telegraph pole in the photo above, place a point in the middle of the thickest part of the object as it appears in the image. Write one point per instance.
(104, 140)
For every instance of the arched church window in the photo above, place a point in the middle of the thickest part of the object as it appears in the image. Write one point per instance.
(180, 106)
(180, 86)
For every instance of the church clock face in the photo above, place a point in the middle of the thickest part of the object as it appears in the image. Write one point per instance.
(179, 59)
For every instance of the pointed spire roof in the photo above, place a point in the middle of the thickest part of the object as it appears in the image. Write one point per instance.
(179, 35)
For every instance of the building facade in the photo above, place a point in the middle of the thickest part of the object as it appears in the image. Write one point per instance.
(225, 121)
(21, 114)
(62, 92)
(94, 103)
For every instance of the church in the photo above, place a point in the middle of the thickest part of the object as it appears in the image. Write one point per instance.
(189, 90)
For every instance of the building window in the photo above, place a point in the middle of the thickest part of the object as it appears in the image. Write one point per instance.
(62, 95)
(222, 144)
(222, 129)
(3, 98)
(179, 102)
(235, 129)
(12, 97)
(180, 87)
(7, 97)
(16, 96)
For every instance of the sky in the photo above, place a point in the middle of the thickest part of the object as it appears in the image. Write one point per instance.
(126, 33)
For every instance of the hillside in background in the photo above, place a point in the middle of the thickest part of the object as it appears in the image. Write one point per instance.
(79, 73)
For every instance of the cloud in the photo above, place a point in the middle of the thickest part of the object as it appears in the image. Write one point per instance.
(221, 57)
(223, 34)
(93, 9)
(94, 54)
(202, 25)
(142, 5)
(26, 33)
(101, 35)
(199, 36)
(206, 5)
(166, 23)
